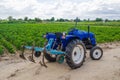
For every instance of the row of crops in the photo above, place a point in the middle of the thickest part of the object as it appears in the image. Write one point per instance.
(13, 36)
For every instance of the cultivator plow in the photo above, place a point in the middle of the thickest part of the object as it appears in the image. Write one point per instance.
(40, 52)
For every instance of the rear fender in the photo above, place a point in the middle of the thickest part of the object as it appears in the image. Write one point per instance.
(68, 39)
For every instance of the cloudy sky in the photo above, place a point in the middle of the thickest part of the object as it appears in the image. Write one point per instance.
(60, 8)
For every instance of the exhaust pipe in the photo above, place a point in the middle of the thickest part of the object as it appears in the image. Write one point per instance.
(89, 31)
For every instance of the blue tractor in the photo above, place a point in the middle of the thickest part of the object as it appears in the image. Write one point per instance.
(70, 47)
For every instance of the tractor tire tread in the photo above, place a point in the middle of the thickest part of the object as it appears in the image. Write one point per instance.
(69, 49)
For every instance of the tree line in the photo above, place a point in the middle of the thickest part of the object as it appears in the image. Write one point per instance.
(10, 19)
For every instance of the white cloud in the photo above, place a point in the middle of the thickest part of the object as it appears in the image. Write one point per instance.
(60, 8)
(18, 5)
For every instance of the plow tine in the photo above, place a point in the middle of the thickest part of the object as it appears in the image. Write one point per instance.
(31, 57)
(22, 54)
(43, 61)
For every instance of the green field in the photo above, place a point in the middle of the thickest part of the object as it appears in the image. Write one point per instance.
(12, 36)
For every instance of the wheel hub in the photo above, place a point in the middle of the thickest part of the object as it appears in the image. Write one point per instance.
(78, 54)
(75, 53)
(97, 53)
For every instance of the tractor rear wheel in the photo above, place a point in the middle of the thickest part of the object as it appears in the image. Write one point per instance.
(50, 58)
(75, 53)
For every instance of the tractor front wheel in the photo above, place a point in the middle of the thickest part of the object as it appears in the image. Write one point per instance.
(75, 53)
(96, 53)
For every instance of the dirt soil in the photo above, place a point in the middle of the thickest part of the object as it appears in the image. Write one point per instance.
(108, 68)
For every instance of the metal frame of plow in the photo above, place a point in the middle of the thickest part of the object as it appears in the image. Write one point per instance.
(46, 49)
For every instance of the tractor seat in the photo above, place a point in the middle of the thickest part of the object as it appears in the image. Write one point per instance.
(58, 35)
